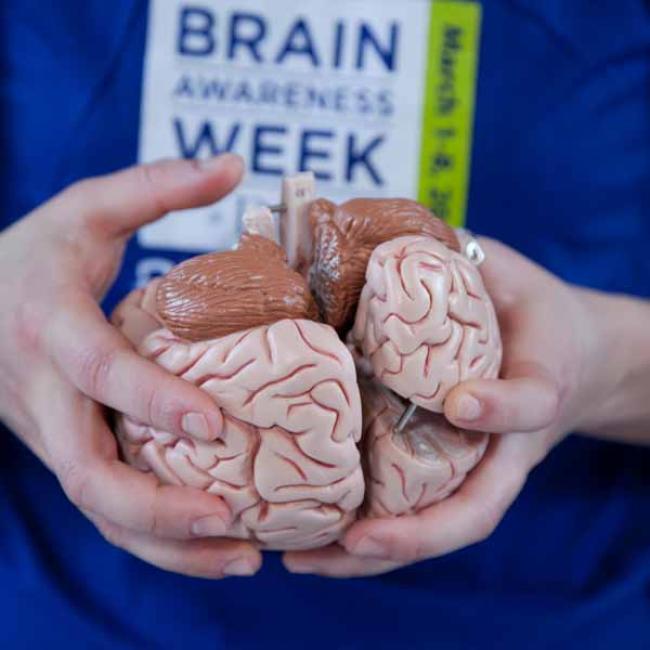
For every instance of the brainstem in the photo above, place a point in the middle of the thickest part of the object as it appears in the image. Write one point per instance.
(287, 464)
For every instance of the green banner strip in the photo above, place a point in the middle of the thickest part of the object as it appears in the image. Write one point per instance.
(453, 52)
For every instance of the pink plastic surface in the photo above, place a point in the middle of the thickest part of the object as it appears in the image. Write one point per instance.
(291, 463)
(425, 320)
(288, 464)
(422, 465)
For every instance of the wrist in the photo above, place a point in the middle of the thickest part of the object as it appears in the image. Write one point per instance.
(617, 367)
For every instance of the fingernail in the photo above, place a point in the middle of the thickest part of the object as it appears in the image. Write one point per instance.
(369, 547)
(467, 407)
(239, 567)
(210, 526)
(219, 162)
(196, 425)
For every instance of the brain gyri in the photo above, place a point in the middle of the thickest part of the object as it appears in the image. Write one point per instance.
(308, 443)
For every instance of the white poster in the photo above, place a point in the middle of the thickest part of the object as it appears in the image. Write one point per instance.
(332, 86)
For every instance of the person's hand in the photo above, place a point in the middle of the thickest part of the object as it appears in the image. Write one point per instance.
(546, 387)
(61, 363)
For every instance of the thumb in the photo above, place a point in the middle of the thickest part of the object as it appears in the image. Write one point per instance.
(117, 204)
(524, 404)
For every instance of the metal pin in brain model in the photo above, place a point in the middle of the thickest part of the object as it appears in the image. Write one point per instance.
(262, 328)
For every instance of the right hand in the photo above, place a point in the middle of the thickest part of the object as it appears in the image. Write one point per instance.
(61, 364)
(549, 379)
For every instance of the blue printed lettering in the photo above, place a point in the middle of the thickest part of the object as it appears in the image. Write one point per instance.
(361, 158)
(309, 152)
(204, 139)
(246, 31)
(369, 40)
(248, 39)
(339, 36)
(261, 147)
(270, 144)
(299, 42)
(195, 32)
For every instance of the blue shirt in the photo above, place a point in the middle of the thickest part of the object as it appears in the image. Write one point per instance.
(561, 171)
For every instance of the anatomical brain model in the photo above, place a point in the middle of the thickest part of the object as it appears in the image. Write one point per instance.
(313, 347)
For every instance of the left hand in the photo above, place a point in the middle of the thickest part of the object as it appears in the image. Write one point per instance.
(550, 344)
(62, 364)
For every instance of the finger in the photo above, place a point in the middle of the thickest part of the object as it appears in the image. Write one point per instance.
(83, 455)
(521, 404)
(507, 274)
(198, 558)
(336, 562)
(97, 359)
(467, 517)
(137, 501)
(117, 204)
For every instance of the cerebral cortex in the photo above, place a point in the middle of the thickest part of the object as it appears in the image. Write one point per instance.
(410, 470)
(287, 463)
(309, 442)
(425, 321)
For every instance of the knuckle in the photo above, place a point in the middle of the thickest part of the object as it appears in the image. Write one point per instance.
(93, 369)
(27, 325)
(410, 548)
(77, 203)
(74, 481)
(415, 552)
(548, 403)
(150, 179)
(75, 208)
(506, 414)
(415, 548)
(112, 533)
(160, 410)
(78, 192)
(487, 517)
(553, 404)
(204, 570)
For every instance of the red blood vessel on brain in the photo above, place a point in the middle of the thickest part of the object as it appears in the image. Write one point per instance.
(312, 348)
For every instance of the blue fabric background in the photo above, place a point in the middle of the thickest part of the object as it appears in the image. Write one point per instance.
(561, 171)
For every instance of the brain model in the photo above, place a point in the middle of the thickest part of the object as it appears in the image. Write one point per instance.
(304, 451)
